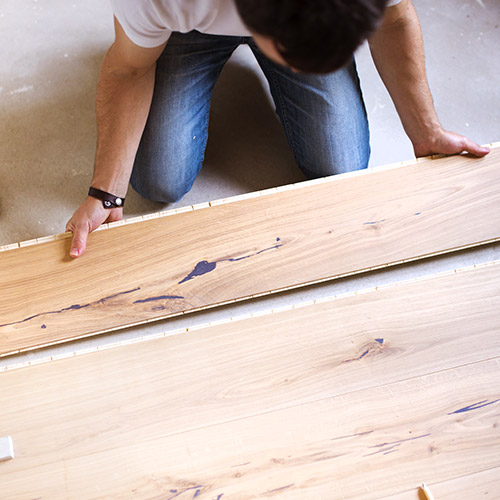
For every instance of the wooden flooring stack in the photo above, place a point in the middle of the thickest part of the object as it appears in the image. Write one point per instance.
(361, 397)
(238, 249)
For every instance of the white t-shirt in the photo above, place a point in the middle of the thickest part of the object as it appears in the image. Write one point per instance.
(149, 23)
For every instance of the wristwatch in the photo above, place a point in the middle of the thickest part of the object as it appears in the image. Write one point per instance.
(108, 200)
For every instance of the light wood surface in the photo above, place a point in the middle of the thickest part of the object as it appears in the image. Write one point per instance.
(157, 268)
(484, 484)
(360, 397)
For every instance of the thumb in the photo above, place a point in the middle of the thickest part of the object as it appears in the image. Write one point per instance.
(79, 242)
(475, 149)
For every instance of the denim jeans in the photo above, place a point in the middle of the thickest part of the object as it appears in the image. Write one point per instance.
(323, 116)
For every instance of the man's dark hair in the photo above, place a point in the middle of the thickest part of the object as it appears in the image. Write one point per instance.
(313, 36)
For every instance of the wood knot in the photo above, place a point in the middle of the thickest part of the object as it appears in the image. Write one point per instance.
(376, 346)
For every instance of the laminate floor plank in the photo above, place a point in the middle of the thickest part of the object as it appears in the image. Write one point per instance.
(240, 368)
(363, 445)
(297, 235)
(481, 485)
(399, 345)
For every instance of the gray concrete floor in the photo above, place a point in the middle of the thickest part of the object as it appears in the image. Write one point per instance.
(51, 52)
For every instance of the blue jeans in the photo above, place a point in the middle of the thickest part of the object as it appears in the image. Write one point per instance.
(323, 116)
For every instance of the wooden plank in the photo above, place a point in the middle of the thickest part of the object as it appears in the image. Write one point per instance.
(191, 407)
(363, 445)
(157, 268)
(485, 484)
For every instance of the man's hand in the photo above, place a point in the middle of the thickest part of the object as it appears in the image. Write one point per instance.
(89, 216)
(398, 52)
(124, 95)
(448, 143)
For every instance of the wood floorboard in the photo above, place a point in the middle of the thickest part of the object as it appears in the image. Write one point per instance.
(240, 368)
(481, 485)
(307, 396)
(360, 445)
(165, 266)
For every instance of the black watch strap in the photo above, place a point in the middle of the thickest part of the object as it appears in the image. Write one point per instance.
(108, 200)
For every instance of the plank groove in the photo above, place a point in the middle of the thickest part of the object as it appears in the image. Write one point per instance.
(362, 396)
(134, 273)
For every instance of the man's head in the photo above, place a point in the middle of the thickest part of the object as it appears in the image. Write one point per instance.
(315, 36)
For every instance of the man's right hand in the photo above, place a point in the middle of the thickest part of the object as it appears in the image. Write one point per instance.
(89, 216)
(124, 94)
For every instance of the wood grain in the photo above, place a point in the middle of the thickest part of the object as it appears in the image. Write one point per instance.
(230, 251)
(363, 445)
(485, 484)
(362, 396)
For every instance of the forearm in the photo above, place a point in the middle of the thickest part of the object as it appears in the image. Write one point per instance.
(398, 52)
(124, 94)
(122, 106)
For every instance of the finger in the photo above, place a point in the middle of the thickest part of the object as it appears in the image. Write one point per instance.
(79, 242)
(475, 149)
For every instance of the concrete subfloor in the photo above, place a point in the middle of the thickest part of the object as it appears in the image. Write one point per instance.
(50, 60)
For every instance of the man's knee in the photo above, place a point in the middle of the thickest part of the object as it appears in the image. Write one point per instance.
(339, 161)
(160, 194)
(154, 186)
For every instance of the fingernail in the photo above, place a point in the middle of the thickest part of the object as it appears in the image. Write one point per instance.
(74, 252)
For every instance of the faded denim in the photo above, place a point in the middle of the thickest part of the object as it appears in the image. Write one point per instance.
(323, 116)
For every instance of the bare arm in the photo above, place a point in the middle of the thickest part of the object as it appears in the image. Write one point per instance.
(398, 52)
(123, 100)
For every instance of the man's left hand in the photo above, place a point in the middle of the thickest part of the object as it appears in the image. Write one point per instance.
(449, 143)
